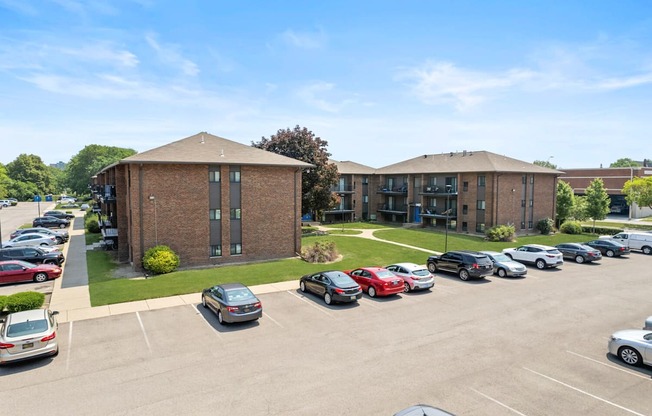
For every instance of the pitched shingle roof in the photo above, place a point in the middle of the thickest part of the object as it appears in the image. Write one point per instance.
(480, 161)
(204, 148)
(350, 168)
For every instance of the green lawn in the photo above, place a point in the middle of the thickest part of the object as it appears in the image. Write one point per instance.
(358, 226)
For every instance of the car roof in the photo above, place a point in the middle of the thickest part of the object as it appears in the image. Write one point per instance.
(469, 252)
(24, 316)
(541, 246)
(409, 266)
(491, 253)
(229, 286)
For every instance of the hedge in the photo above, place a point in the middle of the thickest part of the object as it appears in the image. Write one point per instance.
(3, 301)
(601, 230)
(24, 301)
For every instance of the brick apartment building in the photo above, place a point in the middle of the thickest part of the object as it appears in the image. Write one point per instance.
(210, 199)
(471, 191)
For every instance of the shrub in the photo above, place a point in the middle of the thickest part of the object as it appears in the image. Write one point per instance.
(3, 301)
(601, 230)
(161, 259)
(320, 252)
(545, 226)
(501, 233)
(91, 224)
(24, 301)
(571, 227)
(308, 230)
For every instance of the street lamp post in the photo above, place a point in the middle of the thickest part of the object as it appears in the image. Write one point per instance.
(153, 199)
(448, 211)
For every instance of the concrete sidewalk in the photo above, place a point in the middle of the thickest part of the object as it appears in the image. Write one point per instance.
(71, 297)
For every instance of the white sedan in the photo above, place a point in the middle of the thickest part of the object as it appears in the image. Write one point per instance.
(633, 346)
(414, 276)
(31, 239)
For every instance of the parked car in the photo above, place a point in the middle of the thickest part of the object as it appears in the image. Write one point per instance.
(423, 410)
(232, 302)
(465, 263)
(415, 277)
(28, 334)
(633, 346)
(333, 286)
(609, 248)
(61, 236)
(50, 222)
(30, 239)
(377, 281)
(648, 323)
(634, 240)
(59, 214)
(504, 266)
(32, 255)
(84, 207)
(13, 201)
(581, 253)
(4, 203)
(541, 256)
(14, 271)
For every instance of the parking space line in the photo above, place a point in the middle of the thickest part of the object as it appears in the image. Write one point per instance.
(499, 403)
(197, 312)
(584, 392)
(310, 304)
(69, 347)
(142, 328)
(611, 366)
(272, 319)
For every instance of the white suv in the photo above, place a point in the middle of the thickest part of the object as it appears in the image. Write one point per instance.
(539, 255)
(5, 203)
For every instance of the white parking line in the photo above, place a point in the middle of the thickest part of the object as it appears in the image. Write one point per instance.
(142, 328)
(611, 366)
(69, 347)
(584, 392)
(197, 312)
(272, 319)
(310, 304)
(497, 402)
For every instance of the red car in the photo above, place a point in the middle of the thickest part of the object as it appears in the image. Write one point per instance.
(377, 281)
(13, 271)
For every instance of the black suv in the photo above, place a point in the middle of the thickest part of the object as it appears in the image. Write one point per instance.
(50, 222)
(32, 255)
(59, 214)
(464, 263)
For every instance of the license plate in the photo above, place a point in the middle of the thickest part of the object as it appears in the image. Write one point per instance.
(352, 297)
(246, 310)
(29, 345)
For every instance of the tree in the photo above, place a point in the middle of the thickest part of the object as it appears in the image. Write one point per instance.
(624, 162)
(639, 191)
(565, 201)
(303, 145)
(545, 164)
(89, 161)
(578, 212)
(597, 201)
(4, 182)
(30, 169)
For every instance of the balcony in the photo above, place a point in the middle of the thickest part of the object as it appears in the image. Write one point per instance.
(393, 208)
(342, 189)
(397, 190)
(340, 209)
(432, 212)
(434, 190)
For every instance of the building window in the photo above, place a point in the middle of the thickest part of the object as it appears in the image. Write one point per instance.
(482, 181)
(365, 180)
(481, 204)
(479, 227)
(214, 176)
(215, 214)
(365, 199)
(531, 202)
(216, 250)
(236, 213)
(529, 225)
(465, 226)
(522, 202)
(532, 179)
(522, 225)
(465, 209)
(234, 176)
(465, 186)
(236, 248)
(524, 179)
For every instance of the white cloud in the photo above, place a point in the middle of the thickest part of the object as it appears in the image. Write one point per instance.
(170, 54)
(323, 96)
(304, 40)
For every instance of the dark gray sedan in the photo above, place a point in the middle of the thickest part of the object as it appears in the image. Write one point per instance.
(581, 253)
(333, 286)
(232, 302)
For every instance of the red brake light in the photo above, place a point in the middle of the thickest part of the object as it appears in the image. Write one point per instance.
(475, 266)
(232, 308)
(339, 291)
(49, 337)
(3, 345)
(258, 305)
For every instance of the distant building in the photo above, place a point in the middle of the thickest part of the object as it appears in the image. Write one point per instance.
(58, 165)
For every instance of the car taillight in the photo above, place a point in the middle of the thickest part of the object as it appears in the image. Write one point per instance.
(4, 346)
(232, 308)
(339, 291)
(416, 278)
(49, 337)
(621, 249)
(552, 256)
(258, 305)
(475, 266)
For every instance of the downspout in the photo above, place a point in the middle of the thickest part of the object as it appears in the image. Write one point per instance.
(141, 216)
(297, 250)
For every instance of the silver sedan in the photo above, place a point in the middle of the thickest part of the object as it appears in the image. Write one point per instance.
(504, 266)
(31, 240)
(633, 346)
(28, 334)
(414, 276)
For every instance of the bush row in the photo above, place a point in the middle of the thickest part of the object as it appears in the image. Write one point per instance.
(22, 301)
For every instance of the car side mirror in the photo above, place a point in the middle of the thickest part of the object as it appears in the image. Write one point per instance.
(54, 312)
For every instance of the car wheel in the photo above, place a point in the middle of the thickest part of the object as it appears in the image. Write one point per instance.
(302, 286)
(62, 225)
(579, 259)
(59, 240)
(220, 318)
(40, 277)
(203, 302)
(432, 267)
(327, 298)
(541, 264)
(464, 274)
(502, 272)
(610, 253)
(629, 355)
(647, 250)
(406, 287)
(372, 291)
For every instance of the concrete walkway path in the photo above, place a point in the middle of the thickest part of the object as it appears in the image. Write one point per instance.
(71, 297)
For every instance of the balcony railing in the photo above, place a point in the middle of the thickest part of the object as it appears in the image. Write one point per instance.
(437, 190)
(342, 189)
(392, 207)
(385, 189)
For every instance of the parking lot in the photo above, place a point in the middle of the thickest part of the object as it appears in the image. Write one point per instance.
(530, 346)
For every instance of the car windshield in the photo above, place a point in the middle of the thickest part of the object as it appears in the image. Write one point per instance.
(384, 274)
(27, 328)
(236, 295)
(501, 257)
(341, 279)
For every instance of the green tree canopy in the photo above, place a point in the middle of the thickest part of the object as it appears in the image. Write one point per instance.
(624, 162)
(597, 200)
(303, 145)
(639, 191)
(4, 182)
(30, 169)
(565, 201)
(90, 160)
(545, 164)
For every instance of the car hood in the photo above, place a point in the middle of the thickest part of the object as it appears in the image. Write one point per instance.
(631, 334)
(510, 264)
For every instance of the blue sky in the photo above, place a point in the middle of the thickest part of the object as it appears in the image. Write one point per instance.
(381, 81)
